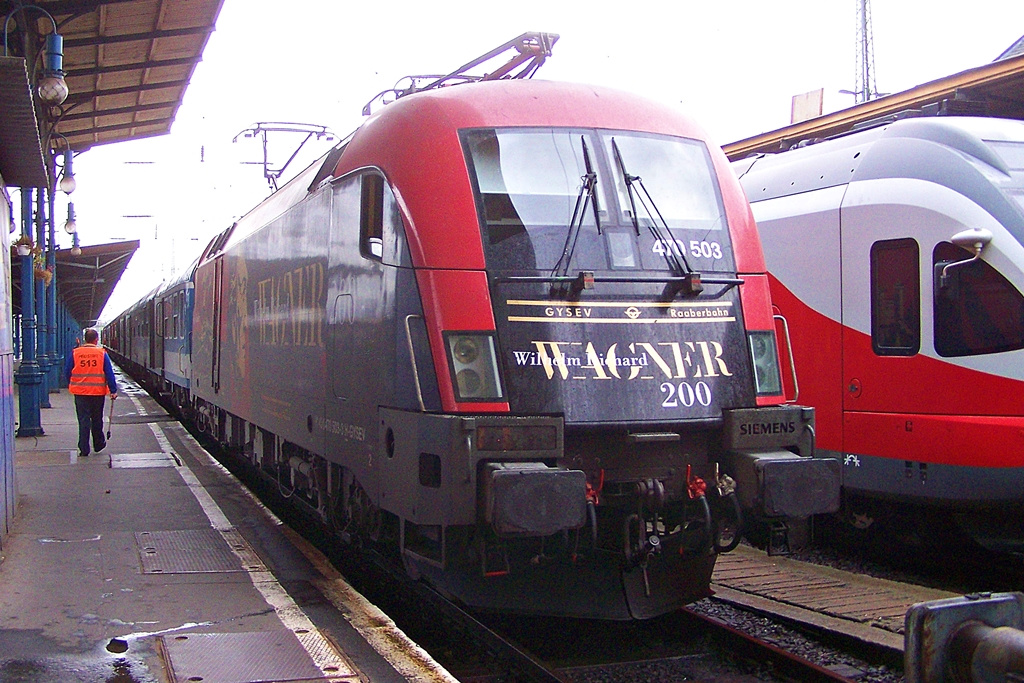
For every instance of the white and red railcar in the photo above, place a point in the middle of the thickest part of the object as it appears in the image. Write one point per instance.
(910, 350)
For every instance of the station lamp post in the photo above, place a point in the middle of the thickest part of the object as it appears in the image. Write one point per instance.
(36, 371)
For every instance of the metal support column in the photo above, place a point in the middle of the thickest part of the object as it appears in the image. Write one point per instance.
(42, 356)
(56, 358)
(28, 378)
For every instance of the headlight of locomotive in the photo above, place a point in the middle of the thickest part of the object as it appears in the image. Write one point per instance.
(767, 378)
(474, 365)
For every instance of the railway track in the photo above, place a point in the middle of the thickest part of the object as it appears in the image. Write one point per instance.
(487, 649)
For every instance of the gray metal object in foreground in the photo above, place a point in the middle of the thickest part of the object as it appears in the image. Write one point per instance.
(977, 637)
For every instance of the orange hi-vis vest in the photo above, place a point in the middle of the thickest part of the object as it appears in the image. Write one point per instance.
(87, 378)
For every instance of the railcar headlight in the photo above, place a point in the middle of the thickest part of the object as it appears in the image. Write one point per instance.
(767, 378)
(474, 365)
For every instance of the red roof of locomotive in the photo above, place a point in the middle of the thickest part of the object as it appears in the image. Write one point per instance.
(415, 142)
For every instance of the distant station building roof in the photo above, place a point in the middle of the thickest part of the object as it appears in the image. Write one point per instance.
(995, 89)
(1014, 50)
(84, 282)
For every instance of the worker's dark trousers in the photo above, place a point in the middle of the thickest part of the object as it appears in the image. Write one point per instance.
(90, 420)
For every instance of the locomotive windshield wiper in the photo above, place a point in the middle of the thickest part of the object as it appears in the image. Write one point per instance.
(587, 195)
(676, 260)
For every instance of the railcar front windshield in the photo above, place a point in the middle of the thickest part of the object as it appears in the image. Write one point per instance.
(532, 196)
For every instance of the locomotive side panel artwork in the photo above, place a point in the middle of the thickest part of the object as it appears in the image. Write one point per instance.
(272, 363)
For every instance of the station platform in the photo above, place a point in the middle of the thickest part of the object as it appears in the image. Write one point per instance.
(150, 562)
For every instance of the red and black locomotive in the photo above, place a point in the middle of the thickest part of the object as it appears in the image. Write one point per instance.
(519, 333)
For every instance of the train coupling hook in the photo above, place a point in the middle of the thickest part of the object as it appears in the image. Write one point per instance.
(652, 546)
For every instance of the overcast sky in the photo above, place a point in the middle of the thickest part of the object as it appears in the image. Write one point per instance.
(733, 66)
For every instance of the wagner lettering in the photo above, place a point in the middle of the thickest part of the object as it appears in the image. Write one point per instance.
(287, 307)
(635, 360)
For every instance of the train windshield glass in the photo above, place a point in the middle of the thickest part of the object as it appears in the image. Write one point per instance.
(529, 186)
(537, 212)
(676, 181)
(1010, 152)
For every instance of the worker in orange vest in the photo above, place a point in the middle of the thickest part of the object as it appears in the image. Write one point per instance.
(90, 378)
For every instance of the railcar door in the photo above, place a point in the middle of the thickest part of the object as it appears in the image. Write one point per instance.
(366, 313)
(801, 242)
(908, 338)
(218, 288)
(151, 330)
(160, 319)
(353, 276)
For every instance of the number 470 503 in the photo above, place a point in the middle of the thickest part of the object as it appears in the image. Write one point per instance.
(698, 248)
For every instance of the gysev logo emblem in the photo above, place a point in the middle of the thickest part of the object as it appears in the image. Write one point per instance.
(621, 312)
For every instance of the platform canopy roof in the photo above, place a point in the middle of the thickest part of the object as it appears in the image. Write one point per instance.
(84, 282)
(21, 154)
(126, 62)
(995, 89)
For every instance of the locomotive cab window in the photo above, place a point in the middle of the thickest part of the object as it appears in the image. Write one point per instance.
(673, 174)
(558, 200)
(381, 232)
(533, 203)
(372, 216)
(977, 310)
(895, 298)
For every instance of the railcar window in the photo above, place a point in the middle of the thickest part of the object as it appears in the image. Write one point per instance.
(1010, 152)
(895, 298)
(380, 220)
(978, 311)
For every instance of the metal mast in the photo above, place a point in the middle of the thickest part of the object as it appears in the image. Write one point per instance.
(865, 87)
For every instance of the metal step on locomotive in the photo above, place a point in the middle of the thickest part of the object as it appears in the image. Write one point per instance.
(516, 334)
